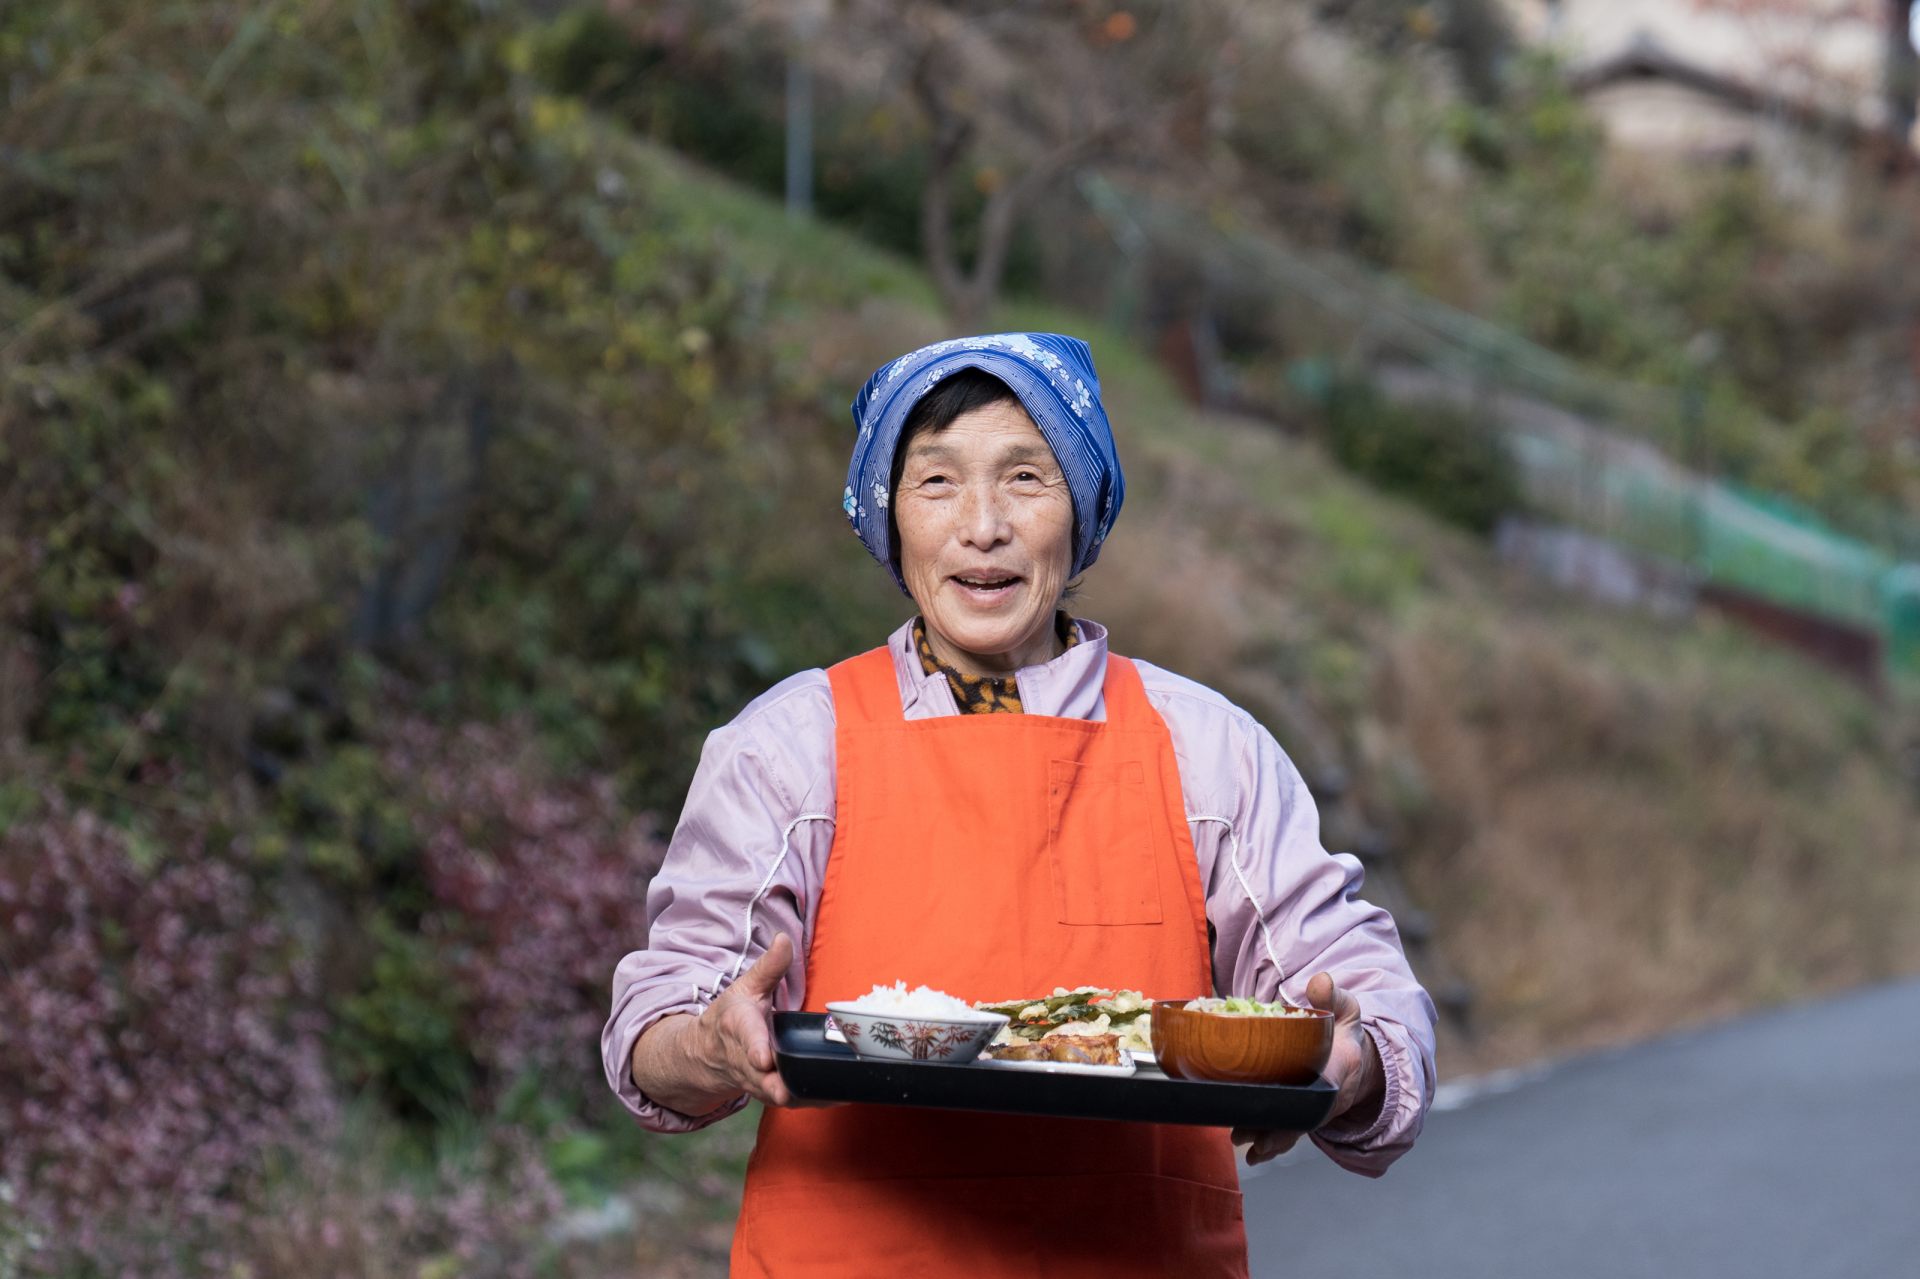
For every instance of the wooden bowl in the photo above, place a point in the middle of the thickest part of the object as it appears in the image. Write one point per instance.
(1241, 1050)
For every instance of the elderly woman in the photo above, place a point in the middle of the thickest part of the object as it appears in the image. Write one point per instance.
(996, 804)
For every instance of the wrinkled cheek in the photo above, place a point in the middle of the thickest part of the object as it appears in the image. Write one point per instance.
(912, 536)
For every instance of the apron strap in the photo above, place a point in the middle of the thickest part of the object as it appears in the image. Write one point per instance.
(865, 689)
(1126, 695)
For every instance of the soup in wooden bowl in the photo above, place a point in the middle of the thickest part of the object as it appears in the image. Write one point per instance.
(1242, 1042)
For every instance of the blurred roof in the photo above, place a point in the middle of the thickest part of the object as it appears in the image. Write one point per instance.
(1817, 65)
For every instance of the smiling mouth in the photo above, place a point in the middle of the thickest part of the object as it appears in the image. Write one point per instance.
(986, 582)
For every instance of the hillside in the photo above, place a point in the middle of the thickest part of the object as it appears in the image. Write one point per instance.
(402, 467)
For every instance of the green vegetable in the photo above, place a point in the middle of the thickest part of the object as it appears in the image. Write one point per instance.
(1240, 1006)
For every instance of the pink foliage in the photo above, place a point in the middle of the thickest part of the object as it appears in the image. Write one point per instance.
(164, 1100)
(159, 1035)
(540, 888)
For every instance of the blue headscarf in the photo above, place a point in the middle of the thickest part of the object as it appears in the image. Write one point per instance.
(1054, 379)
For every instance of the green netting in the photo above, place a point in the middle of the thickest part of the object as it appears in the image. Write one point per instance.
(1900, 606)
(1727, 535)
(1603, 479)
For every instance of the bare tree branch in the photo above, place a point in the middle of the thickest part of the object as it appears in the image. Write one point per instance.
(952, 135)
(1043, 90)
(1002, 215)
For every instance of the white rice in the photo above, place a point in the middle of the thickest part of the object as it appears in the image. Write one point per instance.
(922, 1001)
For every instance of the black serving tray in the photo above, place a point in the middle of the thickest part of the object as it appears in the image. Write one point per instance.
(818, 1069)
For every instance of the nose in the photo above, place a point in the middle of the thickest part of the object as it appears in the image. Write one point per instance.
(983, 518)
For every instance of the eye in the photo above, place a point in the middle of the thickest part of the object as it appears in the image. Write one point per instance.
(1027, 477)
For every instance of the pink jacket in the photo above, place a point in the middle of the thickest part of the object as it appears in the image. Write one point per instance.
(747, 860)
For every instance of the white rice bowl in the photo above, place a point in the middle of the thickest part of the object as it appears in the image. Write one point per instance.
(922, 1024)
(920, 1003)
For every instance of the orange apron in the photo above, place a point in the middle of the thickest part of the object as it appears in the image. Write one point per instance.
(993, 857)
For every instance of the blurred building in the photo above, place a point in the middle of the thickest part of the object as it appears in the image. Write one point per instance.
(1800, 87)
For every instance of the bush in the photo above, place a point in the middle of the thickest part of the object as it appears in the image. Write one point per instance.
(539, 887)
(161, 1039)
(1434, 455)
(483, 902)
(391, 350)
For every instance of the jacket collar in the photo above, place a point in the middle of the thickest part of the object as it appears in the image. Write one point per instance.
(1068, 687)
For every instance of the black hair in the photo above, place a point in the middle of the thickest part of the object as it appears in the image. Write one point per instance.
(954, 395)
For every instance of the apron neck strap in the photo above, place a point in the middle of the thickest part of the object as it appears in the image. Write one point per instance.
(867, 690)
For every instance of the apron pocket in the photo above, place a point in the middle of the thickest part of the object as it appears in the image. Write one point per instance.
(1100, 843)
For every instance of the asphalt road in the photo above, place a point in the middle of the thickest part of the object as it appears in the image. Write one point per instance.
(1786, 1144)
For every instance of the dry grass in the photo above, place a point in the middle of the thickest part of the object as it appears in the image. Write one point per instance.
(1611, 852)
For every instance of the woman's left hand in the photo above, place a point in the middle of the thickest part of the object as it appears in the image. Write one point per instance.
(1353, 1067)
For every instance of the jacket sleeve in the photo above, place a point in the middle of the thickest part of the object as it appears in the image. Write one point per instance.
(744, 865)
(1283, 909)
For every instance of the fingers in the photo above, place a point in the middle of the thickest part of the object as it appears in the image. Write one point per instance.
(743, 1054)
(1271, 1148)
(1264, 1145)
(743, 1045)
(764, 977)
(1323, 992)
(773, 1091)
(768, 1088)
(759, 1048)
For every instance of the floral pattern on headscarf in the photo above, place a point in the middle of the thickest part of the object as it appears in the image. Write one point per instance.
(1052, 376)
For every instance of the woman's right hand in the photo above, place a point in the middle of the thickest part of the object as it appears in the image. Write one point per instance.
(736, 1039)
(696, 1064)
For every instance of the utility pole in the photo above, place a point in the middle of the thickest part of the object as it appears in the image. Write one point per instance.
(1702, 351)
(1902, 69)
(804, 19)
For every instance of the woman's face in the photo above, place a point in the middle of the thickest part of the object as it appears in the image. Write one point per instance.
(986, 539)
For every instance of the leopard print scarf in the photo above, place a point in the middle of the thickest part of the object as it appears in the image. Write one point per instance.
(984, 694)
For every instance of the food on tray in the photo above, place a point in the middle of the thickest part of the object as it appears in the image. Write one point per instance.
(913, 1025)
(1236, 1006)
(920, 1002)
(1252, 1044)
(1082, 1050)
(1088, 1010)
